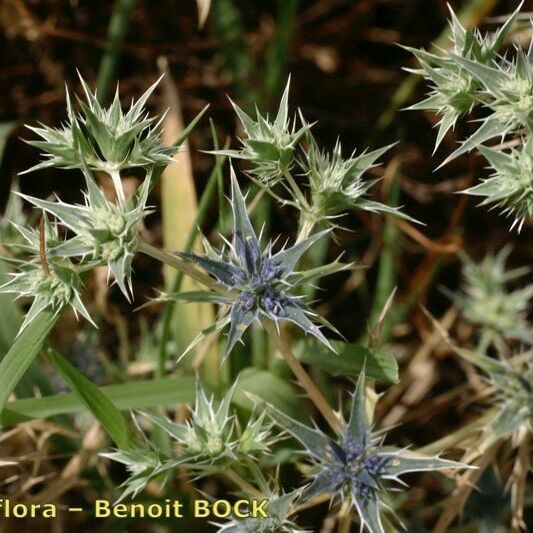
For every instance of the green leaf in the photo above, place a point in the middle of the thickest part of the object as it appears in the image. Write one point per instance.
(270, 388)
(94, 399)
(23, 352)
(10, 323)
(142, 394)
(349, 360)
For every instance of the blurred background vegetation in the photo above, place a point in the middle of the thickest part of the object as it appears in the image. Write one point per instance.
(346, 71)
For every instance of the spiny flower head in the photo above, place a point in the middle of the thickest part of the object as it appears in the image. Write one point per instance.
(355, 466)
(106, 139)
(510, 187)
(53, 285)
(259, 282)
(337, 184)
(105, 233)
(210, 438)
(277, 508)
(268, 145)
(513, 395)
(143, 465)
(453, 87)
(487, 301)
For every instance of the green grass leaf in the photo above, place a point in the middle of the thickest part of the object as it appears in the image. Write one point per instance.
(10, 323)
(270, 388)
(23, 352)
(94, 399)
(349, 360)
(142, 394)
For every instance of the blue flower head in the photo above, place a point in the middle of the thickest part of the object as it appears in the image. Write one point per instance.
(260, 282)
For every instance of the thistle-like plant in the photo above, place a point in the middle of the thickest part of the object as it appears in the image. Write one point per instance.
(473, 74)
(356, 465)
(143, 464)
(277, 508)
(211, 437)
(210, 441)
(53, 283)
(504, 433)
(104, 139)
(513, 396)
(105, 233)
(259, 282)
(336, 184)
(453, 88)
(268, 145)
(486, 300)
(510, 187)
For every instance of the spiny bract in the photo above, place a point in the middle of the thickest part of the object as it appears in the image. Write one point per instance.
(259, 282)
(357, 466)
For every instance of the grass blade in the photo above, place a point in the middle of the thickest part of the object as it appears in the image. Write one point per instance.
(144, 394)
(23, 351)
(118, 27)
(94, 399)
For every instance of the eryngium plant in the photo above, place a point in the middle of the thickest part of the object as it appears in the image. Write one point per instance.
(471, 74)
(260, 283)
(356, 466)
(104, 139)
(335, 184)
(453, 89)
(105, 233)
(53, 283)
(268, 145)
(513, 396)
(486, 300)
(208, 442)
(504, 433)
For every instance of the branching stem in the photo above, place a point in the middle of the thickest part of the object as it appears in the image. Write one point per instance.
(303, 377)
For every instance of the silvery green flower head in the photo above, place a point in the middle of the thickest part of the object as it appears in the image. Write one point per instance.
(52, 286)
(337, 184)
(143, 464)
(356, 465)
(259, 282)
(512, 387)
(454, 88)
(105, 139)
(210, 437)
(105, 233)
(487, 302)
(277, 508)
(510, 187)
(268, 145)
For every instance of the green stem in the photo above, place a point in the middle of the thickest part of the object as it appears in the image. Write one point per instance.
(258, 475)
(118, 27)
(117, 184)
(240, 482)
(174, 261)
(305, 381)
(278, 52)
